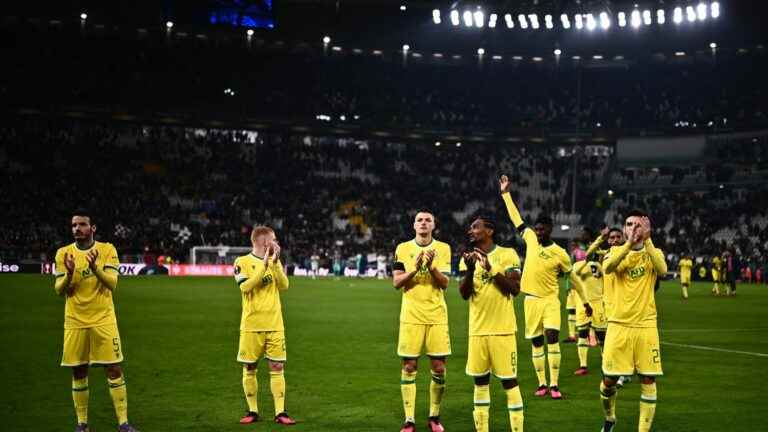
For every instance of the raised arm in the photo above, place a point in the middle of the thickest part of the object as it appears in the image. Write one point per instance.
(657, 257)
(108, 273)
(514, 214)
(614, 258)
(281, 280)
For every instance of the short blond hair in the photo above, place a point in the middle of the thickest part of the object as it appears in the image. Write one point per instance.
(259, 231)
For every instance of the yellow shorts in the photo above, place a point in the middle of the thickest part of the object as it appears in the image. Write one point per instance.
(631, 349)
(570, 300)
(92, 346)
(715, 276)
(597, 320)
(495, 354)
(413, 337)
(541, 313)
(253, 345)
(685, 279)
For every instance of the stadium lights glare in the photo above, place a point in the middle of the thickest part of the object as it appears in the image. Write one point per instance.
(492, 20)
(169, 24)
(523, 22)
(565, 21)
(597, 57)
(249, 32)
(479, 19)
(701, 11)
(576, 58)
(436, 16)
(635, 18)
(661, 17)
(713, 45)
(610, 192)
(437, 55)
(591, 22)
(605, 22)
(510, 22)
(458, 144)
(480, 51)
(534, 19)
(679, 53)
(336, 48)
(714, 9)
(579, 22)
(517, 57)
(537, 59)
(83, 16)
(677, 16)
(406, 47)
(622, 19)
(455, 17)
(558, 51)
(548, 21)
(647, 17)
(403, 7)
(497, 57)
(326, 40)
(437, 143)
(690, 13)
(468, 18)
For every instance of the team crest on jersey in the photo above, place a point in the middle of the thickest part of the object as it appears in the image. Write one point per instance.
(636, 272)
(266, 280)
(543, 254)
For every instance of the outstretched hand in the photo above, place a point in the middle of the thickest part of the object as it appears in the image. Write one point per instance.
(504, 183)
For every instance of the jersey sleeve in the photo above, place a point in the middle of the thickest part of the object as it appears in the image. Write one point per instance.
(529, 237)
(565, 262)
(511, 261)
(240, 272)
(397, 264)
(60, 270)
(112, 261)
(462, 265)
(444, 264)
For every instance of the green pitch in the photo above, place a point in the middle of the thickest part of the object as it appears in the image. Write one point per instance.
(180, 338)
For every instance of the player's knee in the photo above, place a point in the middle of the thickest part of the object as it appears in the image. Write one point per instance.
(114, 371)
(250, 366)
(647, 379)
(483, 380)
(553, 336)
(509, 383)
(80, 372)
(600, 337)
(584, 332)
(538, 341)
(409, 366)
(276, 366)
(609, 381)
(571, 311)
(438, 368)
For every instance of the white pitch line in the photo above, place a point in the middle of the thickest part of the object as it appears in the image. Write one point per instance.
(723, 330)
(706, 348)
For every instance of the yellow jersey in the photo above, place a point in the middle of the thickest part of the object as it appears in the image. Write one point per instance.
(91, 303)
(490, 311)
(260, 287)
(685, 267)
(717, 264)
(424, 303)
(633, 302)
(591, 274)
(542, 266)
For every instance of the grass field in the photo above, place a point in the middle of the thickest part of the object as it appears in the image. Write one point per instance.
(180, 338)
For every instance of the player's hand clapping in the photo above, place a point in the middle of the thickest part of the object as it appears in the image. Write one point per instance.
(482, 258)
(69, 263)
(428, 258)
(92, 257)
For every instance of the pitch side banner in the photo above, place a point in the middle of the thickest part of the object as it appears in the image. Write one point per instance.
(126, 269)
(13, 267)
(201, 270)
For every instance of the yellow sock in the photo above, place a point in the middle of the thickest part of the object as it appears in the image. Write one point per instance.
(583, 351)
(571, 325)
(119, 396)
(277, 385)
(716, 289)
(482, 407)
(436, 391)
(251, 388)
(608, 399)
(515, 408)
(408, 389)
(647, 406)
(685, 291)
(553, 356)
(80, 397)
(537, 354)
